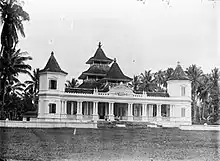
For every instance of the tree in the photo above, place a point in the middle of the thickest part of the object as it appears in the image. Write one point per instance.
(72, 84)
(13, 63)
(160, 80)
(135, 82)
(147, 83)
(33, 85)
(194, 73)
(12, 17)
(203, 93)
(214, 93)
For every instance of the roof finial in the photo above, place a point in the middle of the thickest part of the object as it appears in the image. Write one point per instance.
(100, 44)
(178, 63)
(115, 60)
(52, 53)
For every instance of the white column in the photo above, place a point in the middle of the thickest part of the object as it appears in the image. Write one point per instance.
(130, 116)
(172, 112)
(95, 111)
(64, 107)
(144, 112)
(150, 110)
(58, 110)
(46, 104)
(159, 118)
(79, 110)
(111, 111)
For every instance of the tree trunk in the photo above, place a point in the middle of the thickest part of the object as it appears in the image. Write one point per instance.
(3, 97)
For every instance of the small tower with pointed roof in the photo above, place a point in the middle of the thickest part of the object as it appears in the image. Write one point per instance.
(52, 83)
(179, 84)
(52, 76)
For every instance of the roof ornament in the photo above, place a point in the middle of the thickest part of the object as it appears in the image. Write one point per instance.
(100, 44)
(178, 63)
(52, 53)
(114, 60)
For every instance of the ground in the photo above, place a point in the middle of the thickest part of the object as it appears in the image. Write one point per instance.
(109, 144)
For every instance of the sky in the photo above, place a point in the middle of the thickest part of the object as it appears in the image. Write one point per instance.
(150, 36)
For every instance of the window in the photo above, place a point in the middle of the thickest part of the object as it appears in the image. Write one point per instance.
(68, 111)
(53, 84)
(183, 112)
(183, 91)
(52, 108)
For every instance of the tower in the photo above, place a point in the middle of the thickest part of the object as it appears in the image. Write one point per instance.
(179, 84)
(51, 85)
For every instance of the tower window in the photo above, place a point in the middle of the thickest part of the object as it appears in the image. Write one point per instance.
(52, 108)
(53, 84)
(183, 91)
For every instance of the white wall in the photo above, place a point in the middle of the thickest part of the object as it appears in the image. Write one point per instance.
(174, 88)
(45, 77)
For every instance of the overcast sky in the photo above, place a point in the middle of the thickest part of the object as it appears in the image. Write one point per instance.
(140, 36)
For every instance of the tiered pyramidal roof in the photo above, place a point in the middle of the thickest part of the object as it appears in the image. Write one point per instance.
(99, 56)
(179, 74)
(115, 74)
(100, 71)
(52, 65)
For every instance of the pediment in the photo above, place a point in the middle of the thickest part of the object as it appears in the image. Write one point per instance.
(121, 90)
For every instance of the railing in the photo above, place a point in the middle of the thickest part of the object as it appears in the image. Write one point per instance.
(137, 118)
(87, 117)
(71, 117)
(165, 118)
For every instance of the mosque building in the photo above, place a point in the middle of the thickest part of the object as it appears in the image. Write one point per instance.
(105, 94)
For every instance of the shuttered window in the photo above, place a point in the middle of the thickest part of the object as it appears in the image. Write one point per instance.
(52, 108)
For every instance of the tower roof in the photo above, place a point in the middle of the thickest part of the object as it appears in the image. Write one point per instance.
(99, 56)
(95, 70)
(116, 74)
(179, 74)
(52, 65)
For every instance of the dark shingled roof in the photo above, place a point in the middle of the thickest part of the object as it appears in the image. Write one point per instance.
(116, 74)
(89, 85)
(179, 74)
(99, 56)
(78, 90)
(52, 65)
(98, 70)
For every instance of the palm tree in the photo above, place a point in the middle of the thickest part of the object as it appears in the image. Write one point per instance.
(135, 83)
(194, 73)
(13, 63)
(160, 80)
(203, 95)
(12, 16)
(214, 93)
(33, 85)
(147, 83)
(72, 84)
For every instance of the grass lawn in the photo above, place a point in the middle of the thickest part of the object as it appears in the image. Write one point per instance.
(109, 144)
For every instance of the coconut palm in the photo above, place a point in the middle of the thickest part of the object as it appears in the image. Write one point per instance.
(33, 84)
(13, 63)
(160, 80)
(194, 73)
(214, 93)
(12, 17)
(72, 84)
(203, 92)
(135, 82)
(147, 83)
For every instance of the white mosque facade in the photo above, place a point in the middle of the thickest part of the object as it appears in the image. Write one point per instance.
(105, 95)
